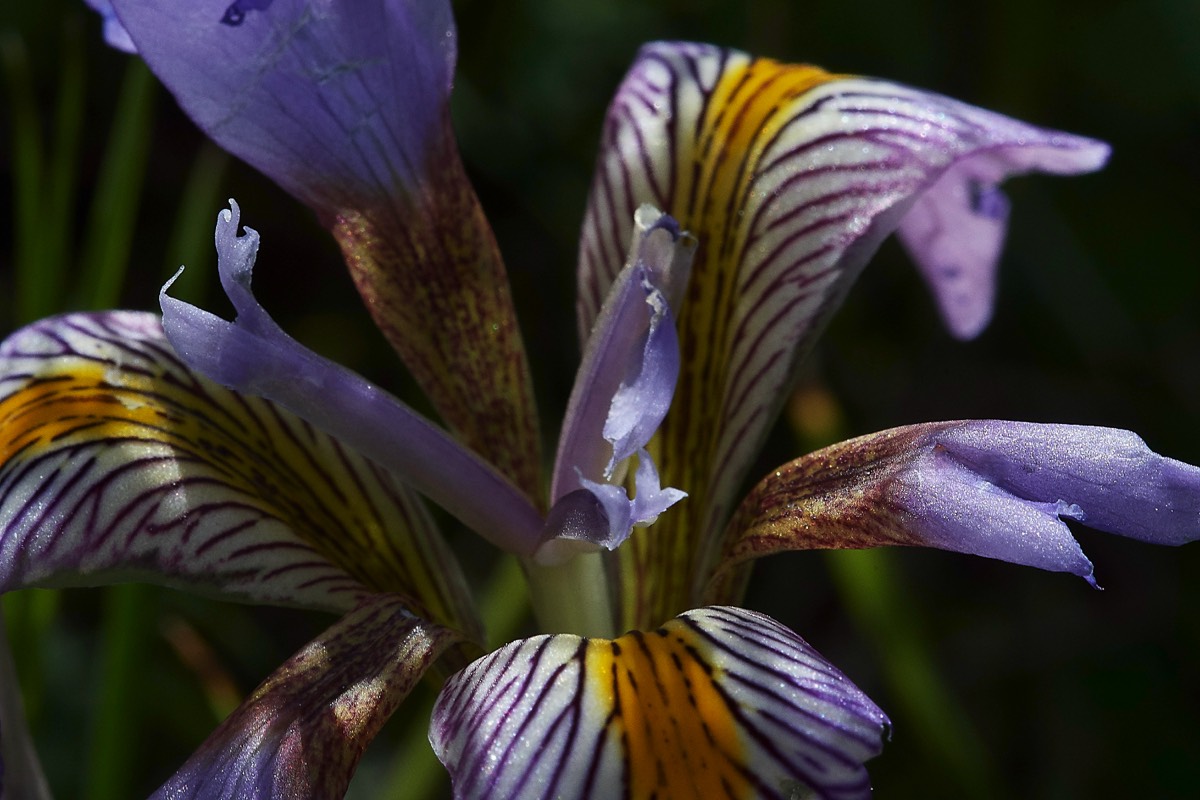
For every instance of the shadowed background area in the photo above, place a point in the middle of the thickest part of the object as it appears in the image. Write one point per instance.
(1001, 681)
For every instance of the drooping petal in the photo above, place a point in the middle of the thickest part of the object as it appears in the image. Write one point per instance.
(302, 733)
(719, 702)
(21, 776)
(789, 177)
(253, 356)
(345, 106)
(992, 488)
(119, 463)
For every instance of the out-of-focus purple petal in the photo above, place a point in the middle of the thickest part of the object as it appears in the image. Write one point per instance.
(789, 177)
(254, 356)
(115, 35)
(718, 697)
(21, 776)
(301, 734)
(992, 488)
(332, 102)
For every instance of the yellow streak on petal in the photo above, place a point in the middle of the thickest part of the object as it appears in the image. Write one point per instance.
(751, 102)
(676, 728)
(288, 474)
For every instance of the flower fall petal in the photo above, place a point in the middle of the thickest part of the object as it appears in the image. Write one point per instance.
(119, 463)
(719, 702)
(789, 177)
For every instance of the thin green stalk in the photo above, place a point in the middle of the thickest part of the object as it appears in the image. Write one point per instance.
(27, 174)
(191, 242)
(126, 626)
(115, 203)
(57, 217)
(872, 588)
(584, 581)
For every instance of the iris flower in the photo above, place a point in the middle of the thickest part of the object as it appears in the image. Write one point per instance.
(735, 201)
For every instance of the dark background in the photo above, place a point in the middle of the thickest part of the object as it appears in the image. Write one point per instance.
(1059, 691)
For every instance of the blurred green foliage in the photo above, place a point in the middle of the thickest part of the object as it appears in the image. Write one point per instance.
(1054, 690)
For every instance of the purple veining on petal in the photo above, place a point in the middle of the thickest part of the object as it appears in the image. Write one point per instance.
(253, 356)
(557, 716)
(338, 103)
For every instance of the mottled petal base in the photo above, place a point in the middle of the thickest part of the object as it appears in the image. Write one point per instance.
(301, 734)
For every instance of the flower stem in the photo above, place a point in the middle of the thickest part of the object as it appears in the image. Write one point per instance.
(572, 597)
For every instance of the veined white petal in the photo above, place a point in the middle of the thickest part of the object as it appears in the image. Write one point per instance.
(119, 463)
(719, 702)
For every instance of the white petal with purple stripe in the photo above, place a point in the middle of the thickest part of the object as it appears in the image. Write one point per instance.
(719, 702)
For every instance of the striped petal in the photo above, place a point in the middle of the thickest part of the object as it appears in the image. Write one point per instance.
(992, 488)
(719, 702)
(302, 733)
(119, 463)
(346, 107)
(789, 177)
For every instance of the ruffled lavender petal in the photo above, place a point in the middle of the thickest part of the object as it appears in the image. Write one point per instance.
(332, 101)
(21, 776)
(993, 488)
(254, 356)
(630, 365)
(301, 734)
(623, 390)
(717, 702)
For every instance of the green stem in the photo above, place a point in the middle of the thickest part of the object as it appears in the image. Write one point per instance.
(114, 205)
(872, 588)
(572, 597)
(125, 630)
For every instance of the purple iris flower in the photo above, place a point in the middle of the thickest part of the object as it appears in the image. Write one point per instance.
(736, 200)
